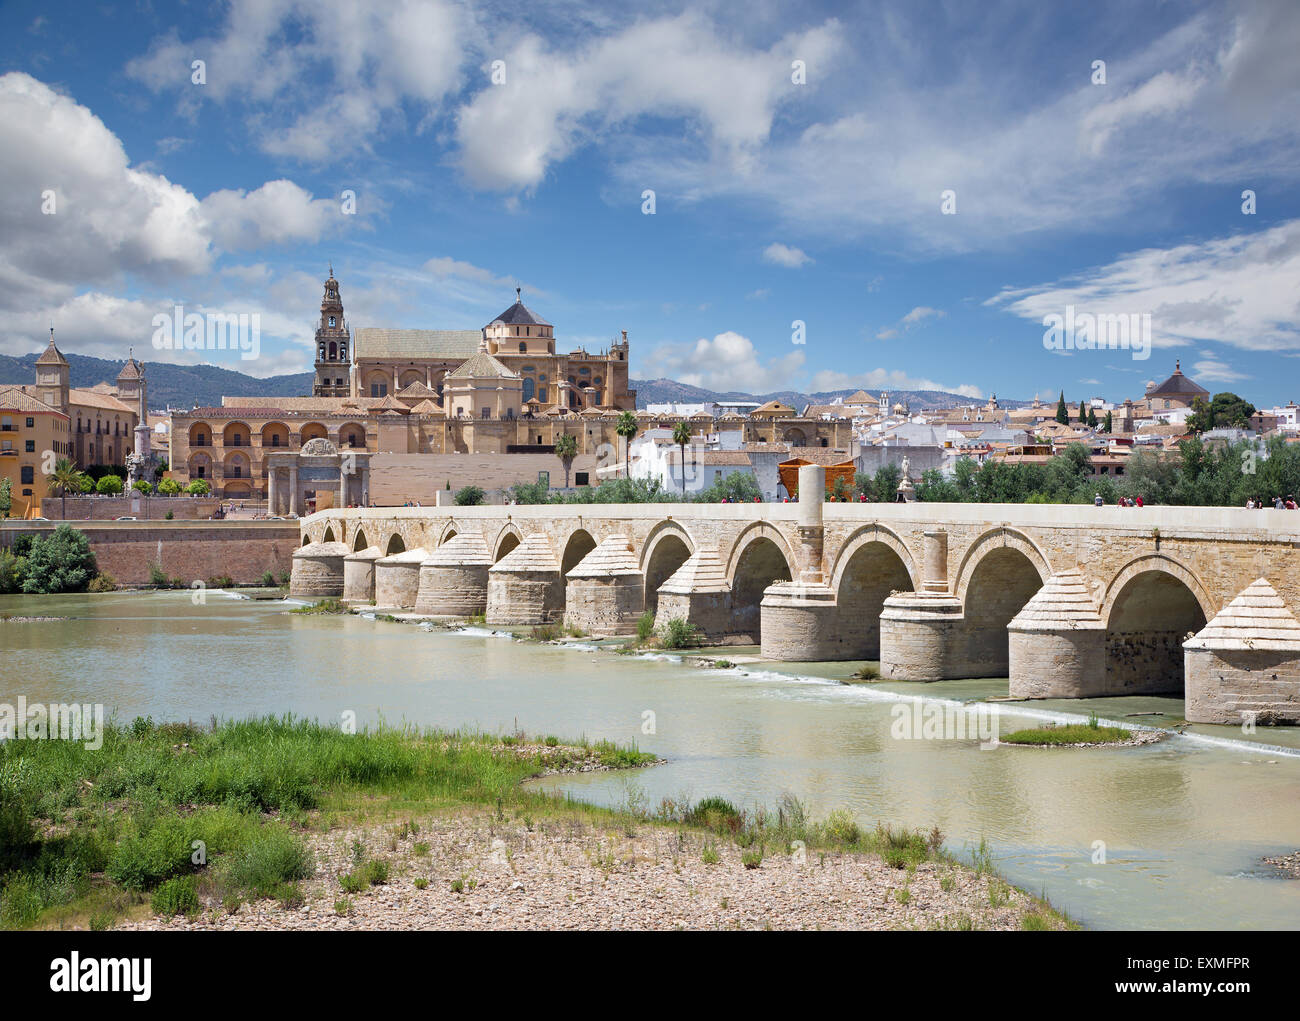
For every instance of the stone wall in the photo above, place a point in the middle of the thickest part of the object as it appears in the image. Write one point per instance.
(396, 478)
(188, 550)
(146, 508)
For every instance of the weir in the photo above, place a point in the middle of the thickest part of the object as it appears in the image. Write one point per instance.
(1067, 601)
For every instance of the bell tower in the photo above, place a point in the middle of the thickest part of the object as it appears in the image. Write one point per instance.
(52, 377)
(332, 342)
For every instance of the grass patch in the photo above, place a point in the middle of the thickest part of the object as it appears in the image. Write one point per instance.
(322, 606)
(1091, 732)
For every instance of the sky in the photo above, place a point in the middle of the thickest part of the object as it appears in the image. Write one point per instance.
(764, 196)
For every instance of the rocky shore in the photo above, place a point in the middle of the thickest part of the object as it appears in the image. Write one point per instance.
(473, 870)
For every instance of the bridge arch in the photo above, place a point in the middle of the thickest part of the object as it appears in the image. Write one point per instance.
(328, 536)
(576, 546)
(507, 539)
(1149, 608)
(666, 548)
(760, 557)
(359, 540)
(394, 544)
(995, 539)
(448, 532)
(871, 566)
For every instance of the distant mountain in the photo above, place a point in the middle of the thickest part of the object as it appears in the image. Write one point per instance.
(170, 385)
(664, 391)
(198, 386)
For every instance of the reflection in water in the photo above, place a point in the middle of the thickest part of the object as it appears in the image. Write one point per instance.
(1184, 822)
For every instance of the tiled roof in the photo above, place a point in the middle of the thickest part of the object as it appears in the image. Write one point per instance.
(416, 389)
(773, 407)
(131, 370)
(481, 366)
(52, 355)
(374, 342)
(1178, 384)
(14, 399)
(520, 314)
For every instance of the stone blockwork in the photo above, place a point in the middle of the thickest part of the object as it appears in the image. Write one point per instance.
(454, 579)
(605, 592)
(359, 575)
(318, 570)
(930, 589)
(189, 550)
(397, 579)
(525, 586)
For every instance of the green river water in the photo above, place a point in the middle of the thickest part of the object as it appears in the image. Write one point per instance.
(1185, 822)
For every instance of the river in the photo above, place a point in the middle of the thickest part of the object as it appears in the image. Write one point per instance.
(1184, 822)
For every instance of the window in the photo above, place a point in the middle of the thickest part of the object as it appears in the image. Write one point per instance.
(275, 440)
(523, 348)
(28, 475)
(378, 389)
(31, 446)
(580, 478)
(487, 412)
(7, 424)
(331, 320)
(31, 423)
(541, 394)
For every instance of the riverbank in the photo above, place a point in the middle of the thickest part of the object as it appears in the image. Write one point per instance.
(288, 824)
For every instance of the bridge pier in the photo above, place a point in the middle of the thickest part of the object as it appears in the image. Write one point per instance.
(359, 575)
(605, 592)
(454, 578)
(923, 635)
(798, 619)
(698, 593)
(397, 579)
(525, 586)
(1244, 665)
(1057, 642)
(318, 570)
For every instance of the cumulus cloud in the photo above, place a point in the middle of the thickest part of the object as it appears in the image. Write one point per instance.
(885, 379)
(783, 255)
(319, 79)
(728, 362)
(277, 213)
(1213, 371)
(1237, 290)
(920, 314)
(554, 101)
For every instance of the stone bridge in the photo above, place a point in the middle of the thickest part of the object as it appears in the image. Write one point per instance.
(1065, 600)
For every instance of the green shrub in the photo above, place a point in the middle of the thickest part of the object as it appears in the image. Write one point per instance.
(273, 857)
(645, 626)
(109, 485)
(157, 576)
(470, 496)
(169, 516)
(842, 828)
(267, 580)
(679, 633)
(221, 581)
(59, 562)
(177, 896)
(158, 850)
(709, 855)
(11, 572)
(752, 859)
(102, 582)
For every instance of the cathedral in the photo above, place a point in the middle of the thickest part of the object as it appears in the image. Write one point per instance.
(500, 389)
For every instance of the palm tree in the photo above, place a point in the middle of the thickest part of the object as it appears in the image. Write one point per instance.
(682, 436)
(626, 428)
(64, 477)
(566, 449)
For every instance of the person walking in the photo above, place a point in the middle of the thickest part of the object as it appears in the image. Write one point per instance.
(1097, 501)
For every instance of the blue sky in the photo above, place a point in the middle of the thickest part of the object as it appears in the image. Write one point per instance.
(775, 200)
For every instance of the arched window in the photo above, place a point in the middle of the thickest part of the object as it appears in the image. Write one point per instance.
(523, 347)
(530, 388)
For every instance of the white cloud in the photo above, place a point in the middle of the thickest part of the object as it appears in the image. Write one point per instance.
(277, 213)
(728, 362)
(1238, 290)
(783, 255)
(885, 379)
(341, 70)
(919, 315)
(680, 67)
(1213, 371)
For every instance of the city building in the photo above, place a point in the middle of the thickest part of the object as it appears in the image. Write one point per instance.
(33, 436)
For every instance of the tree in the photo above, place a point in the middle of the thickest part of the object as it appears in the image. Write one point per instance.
(884, 485)
(109, 485)
(198, 487)
(738, 487)
(1062, 415)
(1083, 412)
(1110, 424)
(626, 428)
(64, 477)
(142, 486)
(1201, 418)
(682, 436)
(58, 562)
(1092, 418)
(1230, 411)
(169, 487)
(470, 496)
(6, 497)
(566, 449)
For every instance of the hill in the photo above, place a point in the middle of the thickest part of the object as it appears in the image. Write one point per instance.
(663, 391)
(171, 385)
